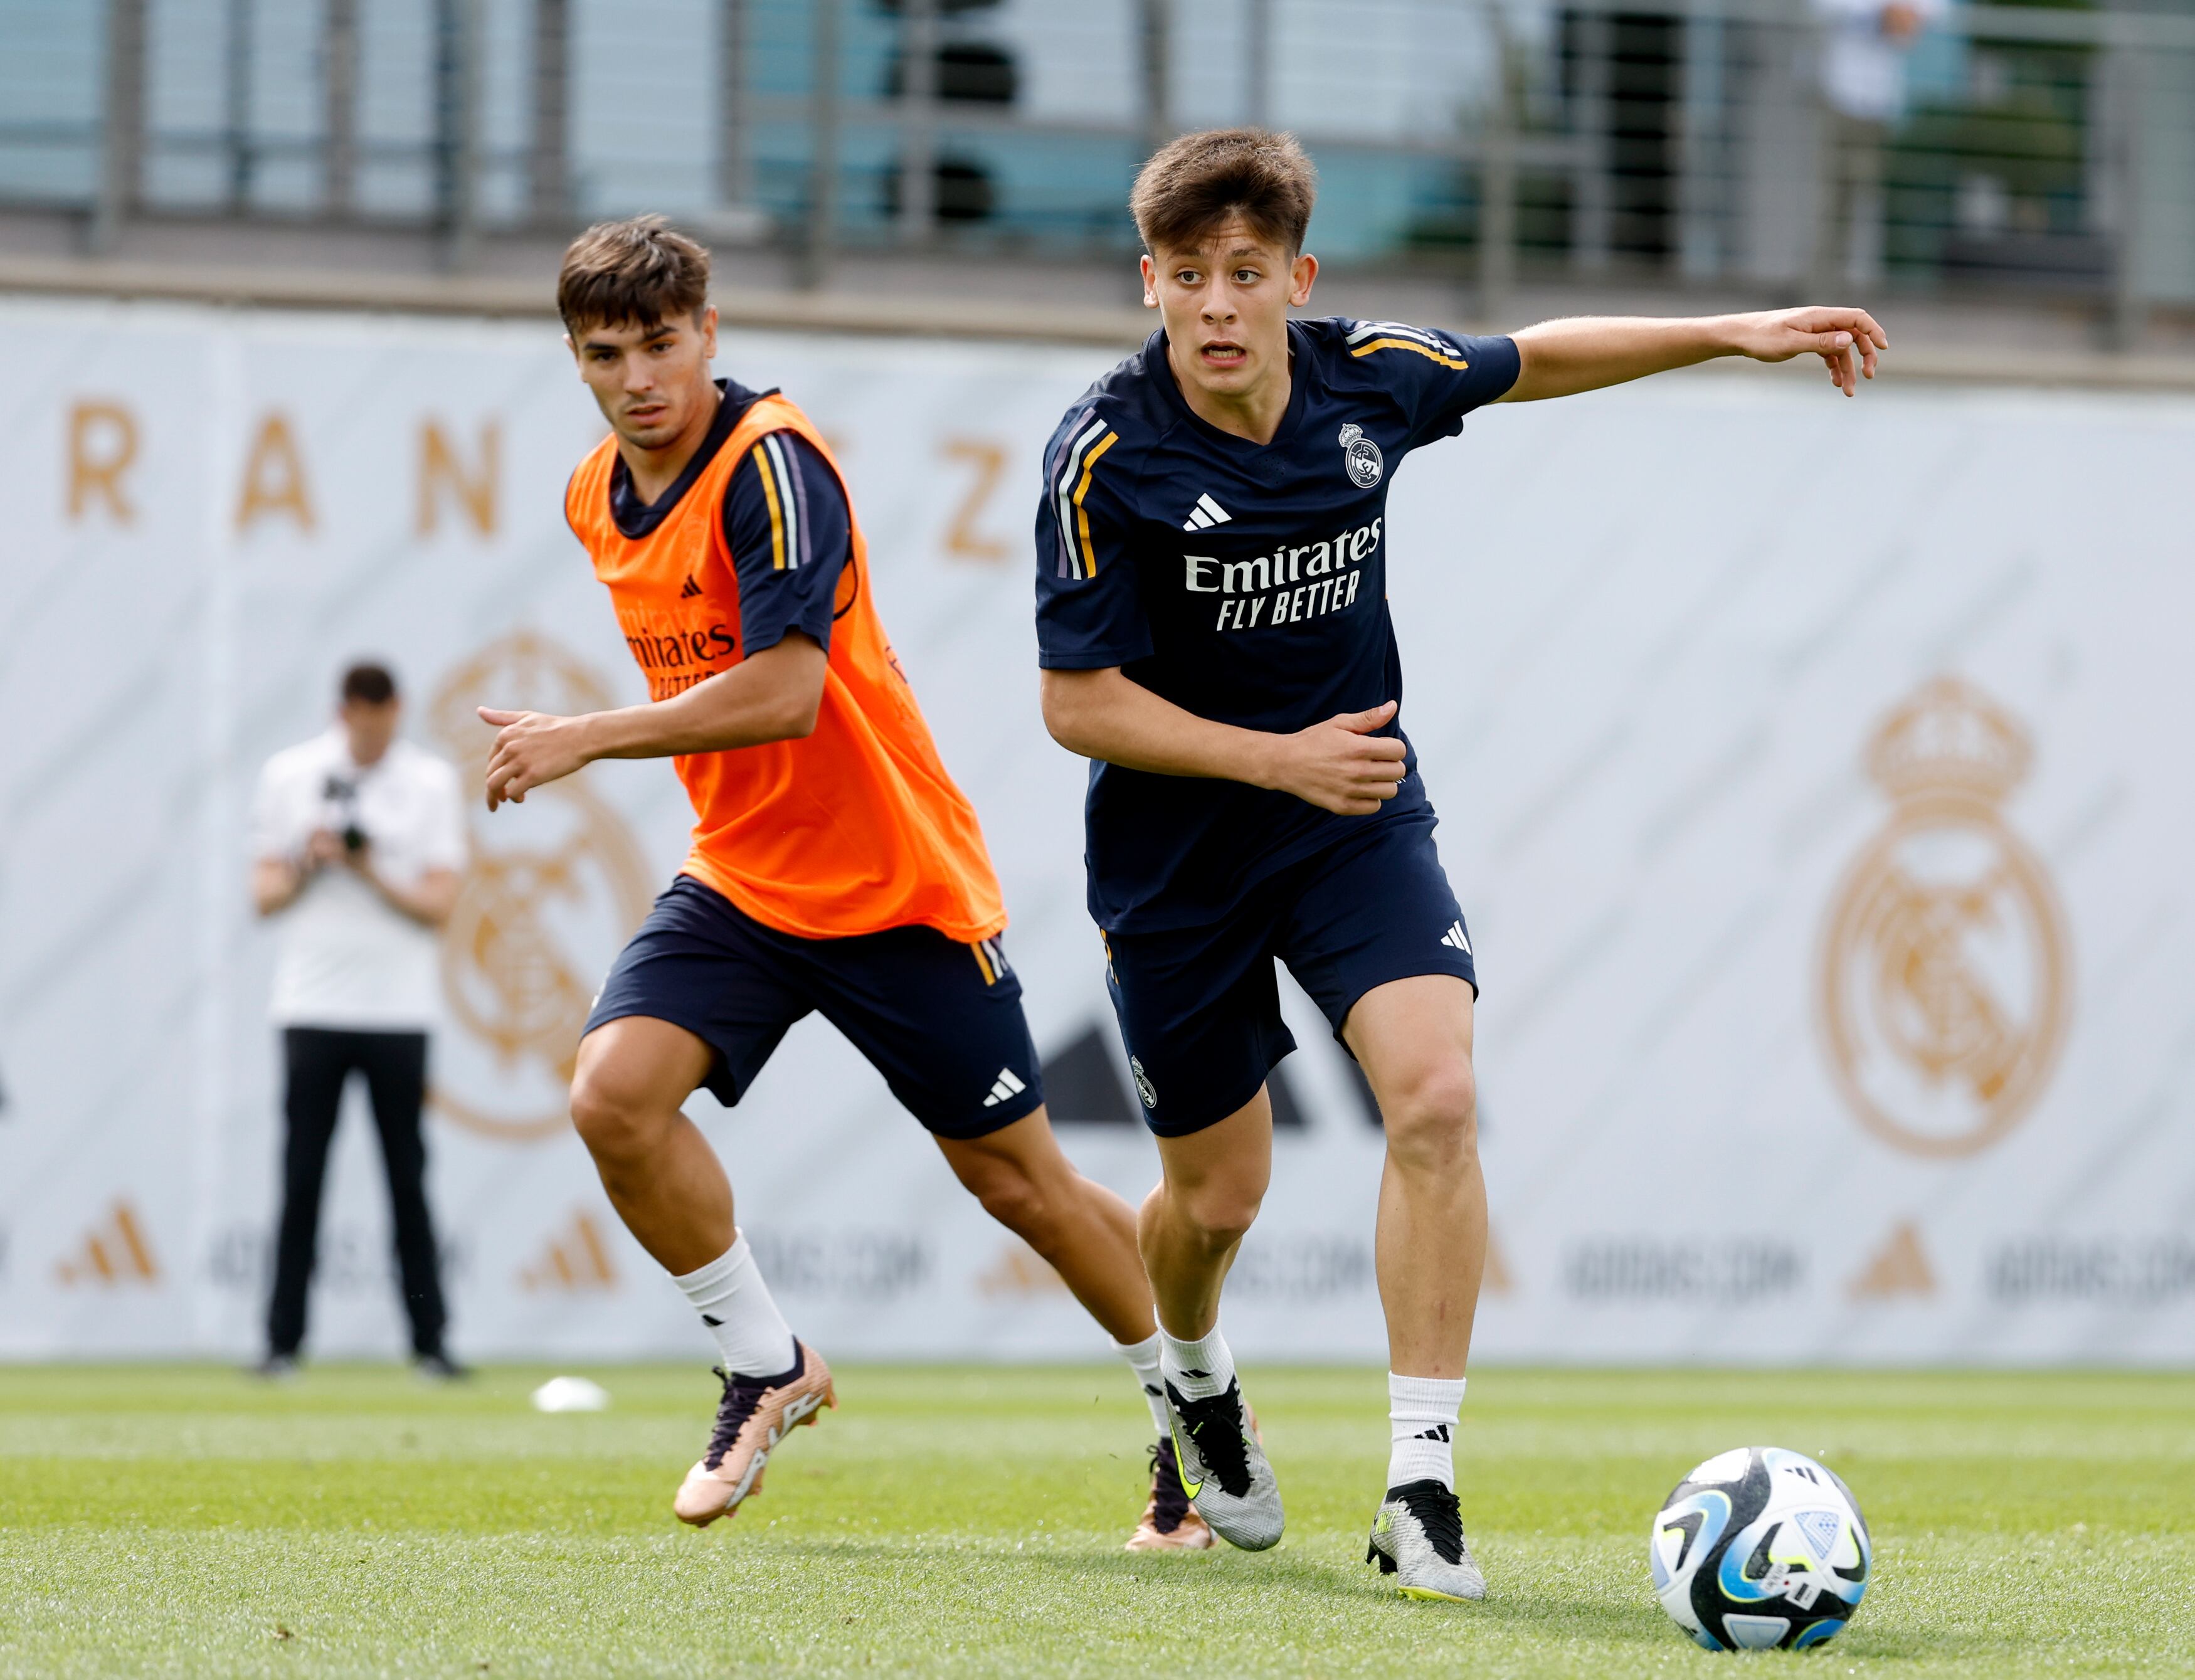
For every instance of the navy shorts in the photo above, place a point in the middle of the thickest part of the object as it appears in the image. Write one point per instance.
(940, 1019)
(1200, 1008)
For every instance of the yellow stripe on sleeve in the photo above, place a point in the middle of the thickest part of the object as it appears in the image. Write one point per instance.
(1405, 344)
(776, 513)
(1081, 517)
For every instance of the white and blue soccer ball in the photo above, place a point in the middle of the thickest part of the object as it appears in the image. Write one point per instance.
(1760, 1547)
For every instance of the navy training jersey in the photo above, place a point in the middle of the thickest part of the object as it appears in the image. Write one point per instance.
(1247, 584)
(788, 569)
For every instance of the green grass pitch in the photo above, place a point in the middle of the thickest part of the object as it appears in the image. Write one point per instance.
(166, 1520)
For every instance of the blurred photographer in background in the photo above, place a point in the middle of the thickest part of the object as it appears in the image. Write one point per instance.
(358, 844)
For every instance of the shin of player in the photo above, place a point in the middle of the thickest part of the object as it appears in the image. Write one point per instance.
(1212, 623)
(835, 867)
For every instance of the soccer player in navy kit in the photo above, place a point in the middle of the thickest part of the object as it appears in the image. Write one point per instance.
(1213, 629)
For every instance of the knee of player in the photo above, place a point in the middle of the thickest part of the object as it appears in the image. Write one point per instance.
(1222, 1214)
(1433, 1120)
(610, 1118)
(1019, 1203)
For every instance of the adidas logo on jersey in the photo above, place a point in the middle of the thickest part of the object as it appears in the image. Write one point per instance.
(1004, 1086)
(1207, 514)
(1456, 937)
(691, 589)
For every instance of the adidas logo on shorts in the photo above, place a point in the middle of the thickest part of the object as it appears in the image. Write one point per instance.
(1004, 1086)
(1456, 936)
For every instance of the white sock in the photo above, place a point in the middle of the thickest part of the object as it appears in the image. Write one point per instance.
(1422, 1413)
(1199, 1369)
(1143, 1359)
(735, 1303)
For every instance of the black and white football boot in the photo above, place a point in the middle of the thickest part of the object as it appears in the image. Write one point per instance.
(1224, 1469)
(1418, 1539)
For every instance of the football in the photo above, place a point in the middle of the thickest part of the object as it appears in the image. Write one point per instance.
(1760, 1547)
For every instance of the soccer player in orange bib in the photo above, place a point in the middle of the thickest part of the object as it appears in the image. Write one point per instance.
(835, 867)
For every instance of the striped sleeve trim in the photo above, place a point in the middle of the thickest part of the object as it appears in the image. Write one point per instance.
(1448, 361)
(1078, 556)
(1364, 329)
(1370, 336)
(787, 499)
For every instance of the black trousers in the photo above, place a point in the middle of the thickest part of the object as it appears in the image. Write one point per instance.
(319, 1063)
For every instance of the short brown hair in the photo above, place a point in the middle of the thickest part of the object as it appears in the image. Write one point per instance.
(637, 270)
(369, 682)
(1193, 183)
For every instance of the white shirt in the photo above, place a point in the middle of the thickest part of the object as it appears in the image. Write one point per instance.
(1864, 70)
(346, 957)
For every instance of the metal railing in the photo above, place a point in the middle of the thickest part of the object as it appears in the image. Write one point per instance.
(2049, 149)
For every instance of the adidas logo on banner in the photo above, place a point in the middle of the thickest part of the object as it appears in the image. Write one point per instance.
(1899, 1267)
(1005, 1085)
(113, 1251)
(577, 1259)
(1456, 937)
(1497, 1279)
(1207, 514)
(1020, 1270)
(691, 589)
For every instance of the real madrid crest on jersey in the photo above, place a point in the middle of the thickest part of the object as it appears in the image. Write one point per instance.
(1362, 456)
(1945, 977)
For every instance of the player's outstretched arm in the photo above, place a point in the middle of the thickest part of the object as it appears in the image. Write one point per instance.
(1338, 765)
(1559, 359)
(770, 696)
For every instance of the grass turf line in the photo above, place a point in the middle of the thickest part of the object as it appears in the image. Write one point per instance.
(164, 1520)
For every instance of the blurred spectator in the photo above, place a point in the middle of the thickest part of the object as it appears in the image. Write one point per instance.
(357, 842)
(1864, 48)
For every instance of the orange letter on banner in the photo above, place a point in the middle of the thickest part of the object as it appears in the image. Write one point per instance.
(963, 540)
(440, 467)
(102, 445)
(275, 477)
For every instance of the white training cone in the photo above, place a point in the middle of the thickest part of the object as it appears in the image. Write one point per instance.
(571, 1394)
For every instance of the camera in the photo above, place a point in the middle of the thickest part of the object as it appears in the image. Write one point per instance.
(342, 793)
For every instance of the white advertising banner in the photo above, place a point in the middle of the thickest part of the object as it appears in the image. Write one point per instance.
(1815, 776)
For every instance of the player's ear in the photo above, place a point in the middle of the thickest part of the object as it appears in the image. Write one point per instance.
(1151, 271)
(1301, 272)
(572, 347)
(709, 333)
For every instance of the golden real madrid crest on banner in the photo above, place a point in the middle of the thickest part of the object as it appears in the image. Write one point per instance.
(1944, 981)
(547, 901)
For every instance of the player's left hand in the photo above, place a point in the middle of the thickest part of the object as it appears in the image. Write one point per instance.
(1847, 340)
(531, 748)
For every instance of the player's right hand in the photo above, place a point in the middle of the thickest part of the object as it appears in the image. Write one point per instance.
(1340, 765)
(531, 748)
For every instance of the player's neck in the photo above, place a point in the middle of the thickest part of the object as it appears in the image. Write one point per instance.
(652, 471)
(1254, 413)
